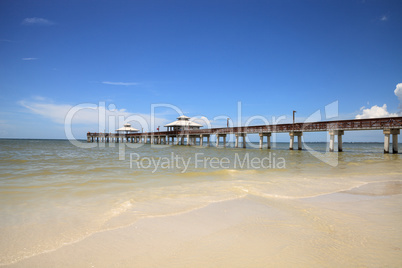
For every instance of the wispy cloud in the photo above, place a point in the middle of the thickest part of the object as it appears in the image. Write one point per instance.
(29, 58)
(92, 116)
(37, 21)
(39, 98)
(384, 18)
(120, 83)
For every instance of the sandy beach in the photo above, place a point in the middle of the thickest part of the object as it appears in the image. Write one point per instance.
(359, 227)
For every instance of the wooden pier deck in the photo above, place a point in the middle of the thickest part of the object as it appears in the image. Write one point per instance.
(389, 125)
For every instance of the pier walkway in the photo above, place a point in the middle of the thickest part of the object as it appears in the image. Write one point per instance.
(389, 125)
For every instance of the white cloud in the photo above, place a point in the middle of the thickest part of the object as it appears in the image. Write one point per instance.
(29, 58)
(54, 112)
(120, 83)
(398, 93)
(375, 112)
(384, 18)
(96, 117)
(36, 21)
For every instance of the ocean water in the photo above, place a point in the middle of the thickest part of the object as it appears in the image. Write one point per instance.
(54, 194)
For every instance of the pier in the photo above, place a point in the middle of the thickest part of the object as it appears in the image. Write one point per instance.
(390, 126)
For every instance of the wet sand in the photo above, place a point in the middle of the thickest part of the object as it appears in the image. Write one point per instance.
(355, 228)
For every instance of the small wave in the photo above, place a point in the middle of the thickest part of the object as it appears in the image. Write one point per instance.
(378, 188)
(294, 197)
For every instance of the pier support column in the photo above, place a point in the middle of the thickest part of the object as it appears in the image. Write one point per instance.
(268, 135)
(299, 143)
(386, 143)
(201, 140)
(188, 139)
(269, 141)
(243, 135)
(224, 139)
(331, 142)
(395, 143)
(387, 136)
(292, 140)
(292, 135)
(208, 144)
(332, 134)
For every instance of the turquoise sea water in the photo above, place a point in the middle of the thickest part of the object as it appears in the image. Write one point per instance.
(53, 193)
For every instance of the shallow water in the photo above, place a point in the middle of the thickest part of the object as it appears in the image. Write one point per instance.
(54, 194)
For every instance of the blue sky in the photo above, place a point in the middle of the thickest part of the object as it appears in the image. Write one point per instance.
(202, 57)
